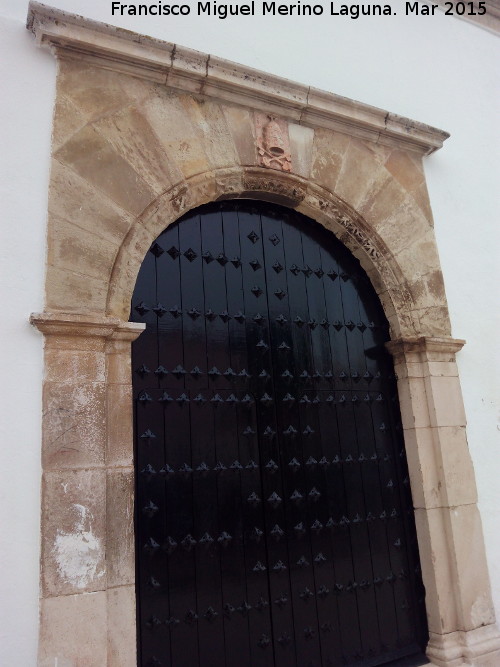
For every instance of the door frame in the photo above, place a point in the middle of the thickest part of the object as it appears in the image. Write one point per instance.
(101, 225)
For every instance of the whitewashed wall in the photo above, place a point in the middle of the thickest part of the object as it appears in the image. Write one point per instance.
(437, 70)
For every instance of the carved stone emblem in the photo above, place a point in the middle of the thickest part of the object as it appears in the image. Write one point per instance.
(273, 143)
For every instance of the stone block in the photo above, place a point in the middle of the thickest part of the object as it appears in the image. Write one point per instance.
(442, 368)
(71, 366)
(428, 290)
(406, 170)
(120, 552)
(70, 292)
(438, 571)
(176, 133)
(457, 481)
(119, 369)
(389, 198)
(122, 644)
(96, 92)
(446, 406)
(472, 584)
(73, 532)
(74, 425)
(120, 448)
(361, 178)
(434, 320)
(213, 132)
(413, 402)
(329, 149)
(95, 160)
(424, 467)
(73, 631)
(132, 137)
(74, 199)
(390, 218)
(68, 120)
(301, 147)
(241, 125)
(420, 258)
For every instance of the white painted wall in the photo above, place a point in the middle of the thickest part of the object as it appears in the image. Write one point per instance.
(437, 70)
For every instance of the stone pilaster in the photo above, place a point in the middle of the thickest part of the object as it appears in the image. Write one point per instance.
(84, 552)
(458, 597)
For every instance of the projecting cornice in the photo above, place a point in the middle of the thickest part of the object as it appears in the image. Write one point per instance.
(184, 69)
(490, 20)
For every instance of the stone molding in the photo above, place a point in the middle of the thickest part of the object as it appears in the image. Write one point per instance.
(169, 148)
(430, 345)
(195, 72)
(85, 326)
(269, 185)
(489, 21)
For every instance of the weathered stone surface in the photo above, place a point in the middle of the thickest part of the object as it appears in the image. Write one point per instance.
(425, 473)
(433, 320)
(301, 146)
(472, 581)
(121, 617)
(121, 286)
(457, 482)
(73, 631)
(75, 200)
(438, 571)
(407, 169)
(361, 177)
(177, 134)
(328, 156)
(131, 136)
(414, 402)
(70, 365)
(96, 92)
(420, 258)
(68, 120)
(441, 471)
(74, 532)
(93, 158)
(242, 128)
(119, 364)
(428, 289)
(71, 292)
(131, 157)
(445, 401)
(119, 425)
(392, 211)
(74, 426)
(120, 553)
(78, 250)
(212, 131)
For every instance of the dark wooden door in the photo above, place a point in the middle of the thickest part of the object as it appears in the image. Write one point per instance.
(273, 512)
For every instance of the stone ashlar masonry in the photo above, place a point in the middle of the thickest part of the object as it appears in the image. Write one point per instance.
(143, 132)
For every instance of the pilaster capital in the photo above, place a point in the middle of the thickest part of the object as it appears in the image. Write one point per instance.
(85, 325)
(424, 348)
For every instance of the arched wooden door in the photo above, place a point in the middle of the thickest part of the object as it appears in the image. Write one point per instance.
(273, 512)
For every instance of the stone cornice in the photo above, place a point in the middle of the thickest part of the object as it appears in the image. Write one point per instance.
(69, 35)
(489, 21)
(433, 348)
(85, 325)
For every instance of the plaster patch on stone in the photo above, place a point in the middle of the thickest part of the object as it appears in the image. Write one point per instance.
(78, 553)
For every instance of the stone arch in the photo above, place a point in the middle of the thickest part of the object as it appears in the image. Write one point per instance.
(144, 131)
(295, 192)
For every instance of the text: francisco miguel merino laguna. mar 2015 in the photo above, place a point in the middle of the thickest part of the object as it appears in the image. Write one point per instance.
(353, 11)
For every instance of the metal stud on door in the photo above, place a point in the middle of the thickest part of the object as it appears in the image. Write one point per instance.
(273, 512)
